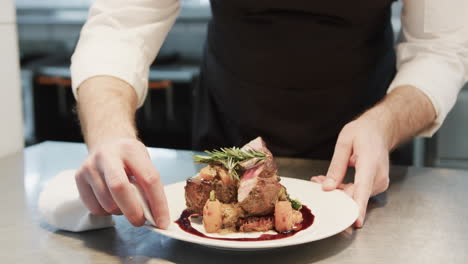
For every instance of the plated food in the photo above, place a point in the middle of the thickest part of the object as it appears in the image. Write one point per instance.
(332, 212)
(239, 191)
(237, 202)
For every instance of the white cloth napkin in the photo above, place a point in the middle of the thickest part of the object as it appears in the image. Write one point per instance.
(60, 206)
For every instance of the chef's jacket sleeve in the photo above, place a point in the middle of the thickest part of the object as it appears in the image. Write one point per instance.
(433, 54)
(121, 38)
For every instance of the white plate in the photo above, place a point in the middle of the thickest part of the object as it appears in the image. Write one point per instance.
(334, 212)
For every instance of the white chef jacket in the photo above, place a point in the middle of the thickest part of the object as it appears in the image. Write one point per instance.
(121, 38)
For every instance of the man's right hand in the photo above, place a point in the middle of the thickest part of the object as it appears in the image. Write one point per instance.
(104, 182)
(106, 108)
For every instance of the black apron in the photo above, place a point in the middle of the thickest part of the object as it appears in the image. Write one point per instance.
(293, 72)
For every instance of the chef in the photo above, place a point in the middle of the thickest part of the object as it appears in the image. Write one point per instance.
(315, 79)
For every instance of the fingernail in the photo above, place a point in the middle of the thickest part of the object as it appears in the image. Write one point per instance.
(329, 183)
(162, 222)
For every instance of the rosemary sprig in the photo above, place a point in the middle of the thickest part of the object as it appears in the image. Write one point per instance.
(229, 158)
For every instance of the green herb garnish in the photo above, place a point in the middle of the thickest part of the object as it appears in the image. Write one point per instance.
(296, 205)
(230, 158)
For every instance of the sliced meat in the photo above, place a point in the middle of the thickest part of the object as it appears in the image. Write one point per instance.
(257, 195)
(248, 182)
(269, 164)
(226, 193)
(256, 224)
(197, 192)
(257, 144)
(251, 163)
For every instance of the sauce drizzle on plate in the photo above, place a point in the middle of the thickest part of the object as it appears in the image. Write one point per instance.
(307, 216)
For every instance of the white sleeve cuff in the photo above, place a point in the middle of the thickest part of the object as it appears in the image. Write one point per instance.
(437, 79)
(97, 57)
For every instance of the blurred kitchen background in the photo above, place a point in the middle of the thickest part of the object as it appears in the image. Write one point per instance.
(48, 31)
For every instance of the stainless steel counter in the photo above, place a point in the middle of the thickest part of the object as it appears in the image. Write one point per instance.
(423, 218)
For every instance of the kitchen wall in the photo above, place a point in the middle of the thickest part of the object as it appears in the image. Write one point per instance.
(11, 139)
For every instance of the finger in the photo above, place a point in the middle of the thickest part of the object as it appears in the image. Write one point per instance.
(122, 192)
(348, 189)
(101, 192)
(352, 161)
(363, 181)
(87, 196)
(318, 179)
(149, 180)
(348, 232)
(338, 166)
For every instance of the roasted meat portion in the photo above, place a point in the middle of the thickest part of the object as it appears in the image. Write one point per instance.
(239, 190)
(226, 193)
(197, 189)
(268, 164)
(258, 195)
